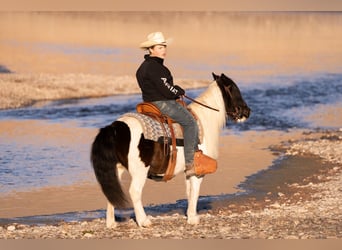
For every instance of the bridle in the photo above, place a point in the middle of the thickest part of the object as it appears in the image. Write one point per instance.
(204, 105)
(229, 113)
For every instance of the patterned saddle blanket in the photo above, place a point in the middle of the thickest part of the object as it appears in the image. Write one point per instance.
(154, 131)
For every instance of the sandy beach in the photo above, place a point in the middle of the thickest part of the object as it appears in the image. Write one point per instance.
(308, 209)
(250, 155)
(45, 58)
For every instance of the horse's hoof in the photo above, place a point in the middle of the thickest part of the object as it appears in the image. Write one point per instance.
(194, 220)
(146, 223)
(111, 224)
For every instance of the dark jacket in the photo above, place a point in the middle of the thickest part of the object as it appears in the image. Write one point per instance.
(156, 81)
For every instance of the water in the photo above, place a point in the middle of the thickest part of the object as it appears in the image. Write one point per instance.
(93, 113)
(28, 166)
(279, 105)
(287, 65)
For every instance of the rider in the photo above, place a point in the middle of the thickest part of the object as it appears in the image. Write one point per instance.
(156, 83)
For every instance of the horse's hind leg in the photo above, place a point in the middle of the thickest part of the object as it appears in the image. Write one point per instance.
(193, 185)
(139, 175)
(110, 214)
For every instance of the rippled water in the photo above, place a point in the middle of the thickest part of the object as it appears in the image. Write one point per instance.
(279, 105)
(23, 167)
(287, 65)
(275, 105)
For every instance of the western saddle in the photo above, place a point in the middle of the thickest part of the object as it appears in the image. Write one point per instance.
(203, 164)
(149, 109)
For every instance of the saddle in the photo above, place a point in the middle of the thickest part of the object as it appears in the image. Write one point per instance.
(203, 163)
(153, 111)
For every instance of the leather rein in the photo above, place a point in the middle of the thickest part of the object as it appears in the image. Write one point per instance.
(204, 105)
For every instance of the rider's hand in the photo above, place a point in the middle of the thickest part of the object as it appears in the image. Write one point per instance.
(180, 90)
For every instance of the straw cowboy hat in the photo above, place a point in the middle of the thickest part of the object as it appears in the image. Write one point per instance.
(154, 39)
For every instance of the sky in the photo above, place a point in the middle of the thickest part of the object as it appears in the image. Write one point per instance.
(171, 5)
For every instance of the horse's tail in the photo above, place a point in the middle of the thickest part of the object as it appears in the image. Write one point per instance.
(109, 148)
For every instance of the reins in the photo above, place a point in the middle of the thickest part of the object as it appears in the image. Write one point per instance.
(204, 105)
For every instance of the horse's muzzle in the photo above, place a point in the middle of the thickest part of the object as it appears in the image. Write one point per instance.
(240, 114)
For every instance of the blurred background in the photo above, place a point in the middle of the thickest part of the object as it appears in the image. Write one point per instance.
(247, 45)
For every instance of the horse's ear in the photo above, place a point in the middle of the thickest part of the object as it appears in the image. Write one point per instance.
(225, 77)
(215, 76)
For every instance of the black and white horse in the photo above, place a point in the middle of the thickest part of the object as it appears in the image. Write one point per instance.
(121, 146)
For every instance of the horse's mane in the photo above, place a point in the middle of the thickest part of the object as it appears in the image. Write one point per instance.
(212, 121)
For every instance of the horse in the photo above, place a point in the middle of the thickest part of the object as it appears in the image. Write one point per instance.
(121, 146)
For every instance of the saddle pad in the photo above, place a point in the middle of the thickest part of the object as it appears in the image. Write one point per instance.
(153, 129)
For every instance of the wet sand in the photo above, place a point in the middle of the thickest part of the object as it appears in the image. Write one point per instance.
(304, 208)
(240, 156)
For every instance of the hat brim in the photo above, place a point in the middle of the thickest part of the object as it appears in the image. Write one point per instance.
(148, 44)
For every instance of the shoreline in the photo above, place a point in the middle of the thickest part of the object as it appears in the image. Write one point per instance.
(311, 210)
(292, 176)
(250, 155)
(27, 89)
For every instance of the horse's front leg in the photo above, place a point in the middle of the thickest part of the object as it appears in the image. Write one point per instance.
(110, 216)
(193, 185)
(139, 175)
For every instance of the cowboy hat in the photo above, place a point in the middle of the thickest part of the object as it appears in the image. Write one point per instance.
(154, 39)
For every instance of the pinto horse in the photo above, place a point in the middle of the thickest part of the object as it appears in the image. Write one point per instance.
(121, 146)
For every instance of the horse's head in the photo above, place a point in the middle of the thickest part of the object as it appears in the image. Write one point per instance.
(236, 107)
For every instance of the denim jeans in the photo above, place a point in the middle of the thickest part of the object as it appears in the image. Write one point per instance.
(190, 129)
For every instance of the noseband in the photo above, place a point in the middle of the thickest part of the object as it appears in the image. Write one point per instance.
(233, 114)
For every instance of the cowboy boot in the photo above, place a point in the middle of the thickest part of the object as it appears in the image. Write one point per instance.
(201, 165)
(189, 170)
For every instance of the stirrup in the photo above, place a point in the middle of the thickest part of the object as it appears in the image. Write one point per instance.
(190, 171)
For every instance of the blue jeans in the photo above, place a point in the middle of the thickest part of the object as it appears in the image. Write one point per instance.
(182, 116)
